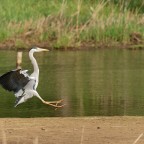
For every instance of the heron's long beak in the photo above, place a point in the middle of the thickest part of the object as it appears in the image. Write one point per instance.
(41, 49)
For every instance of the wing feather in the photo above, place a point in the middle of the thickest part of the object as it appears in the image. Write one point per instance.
(14, 80)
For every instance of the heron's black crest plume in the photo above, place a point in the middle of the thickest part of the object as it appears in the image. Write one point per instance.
(13, 80)
(33, 48)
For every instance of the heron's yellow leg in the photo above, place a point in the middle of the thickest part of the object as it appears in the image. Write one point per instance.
(56, 104)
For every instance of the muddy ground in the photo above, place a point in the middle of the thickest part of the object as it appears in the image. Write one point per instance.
(28, 40)
(84, 130)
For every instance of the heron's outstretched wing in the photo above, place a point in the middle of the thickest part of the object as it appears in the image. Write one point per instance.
(14, 80)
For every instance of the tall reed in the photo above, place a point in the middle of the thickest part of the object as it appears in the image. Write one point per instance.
(67, 23)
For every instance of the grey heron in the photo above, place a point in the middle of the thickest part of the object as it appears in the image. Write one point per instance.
(24, 85)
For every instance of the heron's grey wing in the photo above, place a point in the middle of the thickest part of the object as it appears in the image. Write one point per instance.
(14, 80)
(25, 95)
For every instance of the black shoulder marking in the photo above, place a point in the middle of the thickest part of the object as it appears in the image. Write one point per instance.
(13, 80)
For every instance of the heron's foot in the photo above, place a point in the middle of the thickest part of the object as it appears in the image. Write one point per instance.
(56, 104)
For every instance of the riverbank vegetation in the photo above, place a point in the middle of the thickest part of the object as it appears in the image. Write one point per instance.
(67, 24)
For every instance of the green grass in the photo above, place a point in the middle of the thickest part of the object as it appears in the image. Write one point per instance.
(64, 23)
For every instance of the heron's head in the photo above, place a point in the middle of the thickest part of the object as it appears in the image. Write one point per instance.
(37, 49)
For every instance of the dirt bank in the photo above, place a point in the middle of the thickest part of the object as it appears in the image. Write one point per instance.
(136, 41)
(86, 130)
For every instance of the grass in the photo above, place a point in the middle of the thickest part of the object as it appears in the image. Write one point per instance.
(66, 23)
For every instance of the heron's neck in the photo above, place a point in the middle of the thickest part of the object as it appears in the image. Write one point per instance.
(34, 63)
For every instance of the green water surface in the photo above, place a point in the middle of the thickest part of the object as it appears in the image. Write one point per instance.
(92, 83)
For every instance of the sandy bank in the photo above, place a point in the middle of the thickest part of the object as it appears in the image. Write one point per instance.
(84, 130)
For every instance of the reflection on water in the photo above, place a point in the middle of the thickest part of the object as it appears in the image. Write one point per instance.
(92, 83)
(19, 59)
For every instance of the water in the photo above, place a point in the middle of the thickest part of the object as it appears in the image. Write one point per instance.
(92, 83)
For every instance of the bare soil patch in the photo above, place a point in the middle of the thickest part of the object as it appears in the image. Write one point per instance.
(83, 130)
(26, 41)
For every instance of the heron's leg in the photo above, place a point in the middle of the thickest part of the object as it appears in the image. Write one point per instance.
(51, 103)
(54, 102)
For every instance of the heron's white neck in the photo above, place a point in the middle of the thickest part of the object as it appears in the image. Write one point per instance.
(34, 63)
